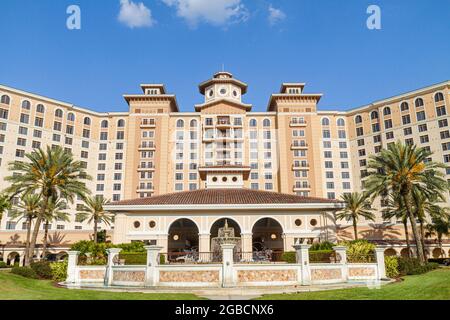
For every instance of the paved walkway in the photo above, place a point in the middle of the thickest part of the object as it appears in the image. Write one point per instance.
(238, 293)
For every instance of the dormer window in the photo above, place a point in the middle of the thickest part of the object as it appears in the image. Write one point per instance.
(152, 91)
(294, 91)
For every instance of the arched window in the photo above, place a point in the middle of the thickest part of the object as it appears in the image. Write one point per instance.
(58, 113)
(194, 123)
(121, 123)
(266, 123)
(26, 105)
(325, 122)
(105, 124)
(374, 115)
(404, 106)
(40, 108)
(341, 122)
(87, 121)
(71, 117)
(386, 111)
(180, 124)
(419, 102)
(5, 99)
(253, 123)
(358, 119)
(438, 97)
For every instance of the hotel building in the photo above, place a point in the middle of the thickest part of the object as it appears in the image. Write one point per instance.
(154, 149)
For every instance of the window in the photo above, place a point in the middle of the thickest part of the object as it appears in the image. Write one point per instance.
(421, 116)
(24, 118)
(342, 134)
(329, 175)
(57, 126)
(374, 115)
(389, 135)
(121, 123)
(440, 111)
(325, 122)
(104, 124)
(360, 142)
(446, 146)
(409, 142)
(58, 113)
(342, 145)
(358, 119)
(193, 123)
(10, 225)
(180, 124)
(266, 123)
(404, 106)
(362, 152)
(377, 139)
(419, 102)
(5, 99)
(87, 121)
(443, 123)
(406, 119)
(424, 139)
(86, 133)
(438, 97)
(388, 124)
(375, 127)
(120, 135)
(346, 185)
(103, 136)
(26, 105)
(407, 131)
(422, 127)
(359, 132)
(3, 113)
(20, 153)
(326, 134)
(341, 122)
(327, 144)
(21, 142)
(40, 108)
(253, 123)
(386, 111)
(56, 137)
(70, 117)
(445, 134)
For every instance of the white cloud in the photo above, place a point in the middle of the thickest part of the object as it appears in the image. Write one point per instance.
(215, 12)
(135, 15)
(275, 15)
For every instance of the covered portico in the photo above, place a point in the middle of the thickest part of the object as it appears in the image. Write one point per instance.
(189, 221)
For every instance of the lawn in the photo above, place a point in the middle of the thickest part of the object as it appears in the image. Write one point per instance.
(14, 287)
(434, 285)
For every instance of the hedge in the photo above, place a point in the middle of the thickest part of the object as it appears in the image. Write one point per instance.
(137, 259)
(25, 272)
(42, 269)
(3, 265)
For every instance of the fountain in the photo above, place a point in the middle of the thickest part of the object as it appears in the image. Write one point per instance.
(225, 236)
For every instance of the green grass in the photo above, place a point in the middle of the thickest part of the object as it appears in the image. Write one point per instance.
(14, 287)
(434, 285)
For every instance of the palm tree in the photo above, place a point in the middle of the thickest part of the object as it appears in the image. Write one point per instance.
(402, 169)
(55, 211)
(356, 205)
(5, 204)
(440, 225)
(28, 209)
(93, 211)
(396, 209)
(50, 173)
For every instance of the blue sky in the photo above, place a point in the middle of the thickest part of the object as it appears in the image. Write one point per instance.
(324, 43)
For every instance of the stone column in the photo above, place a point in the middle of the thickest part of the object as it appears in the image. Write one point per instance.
(163, 241)
(204, 247)
(379, 256)
(302, 257)
(72, 267)
(342, 252)
(112, 254)
(227, 265)
(247, 246)
(151, 270)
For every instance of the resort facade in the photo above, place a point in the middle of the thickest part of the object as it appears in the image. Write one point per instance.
(173, 173)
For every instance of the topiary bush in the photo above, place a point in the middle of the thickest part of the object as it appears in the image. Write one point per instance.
(25, 272)
(42, 269)
(59, 270)
(391, 264)
(3, 265)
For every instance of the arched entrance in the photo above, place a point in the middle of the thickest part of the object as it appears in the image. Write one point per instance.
(13, 259)
(267, 239)
(183, 241)
(404, 253)
(216, 250)
(390, 252)
(438, 253)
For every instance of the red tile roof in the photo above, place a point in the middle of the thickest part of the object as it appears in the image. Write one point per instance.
(222, 196)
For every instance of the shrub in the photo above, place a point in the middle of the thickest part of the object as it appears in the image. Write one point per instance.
(319, 246)
(134, 258)
(25, 272)
(131, 247)
(3, 265)
(42, 269)
(359, 251)
(391, 264)
(412, 266)
(59, 270)
(289, 257)
(321, 256)
(436, 260)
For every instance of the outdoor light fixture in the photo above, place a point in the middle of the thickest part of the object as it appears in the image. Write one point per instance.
(273, 236)
(176, 237)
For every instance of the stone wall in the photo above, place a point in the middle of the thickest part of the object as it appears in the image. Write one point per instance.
(266, 275)
(189, 276)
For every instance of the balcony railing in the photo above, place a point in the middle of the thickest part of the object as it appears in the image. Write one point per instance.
(298, 123)
(148, 124)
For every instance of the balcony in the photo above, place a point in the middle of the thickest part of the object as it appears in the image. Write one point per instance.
(300, 166)
(298, 123)
(223, 123)
(146, 168)
(147, 147)
(148, 123)
(303, 187)
(139, 189)
(299, 146)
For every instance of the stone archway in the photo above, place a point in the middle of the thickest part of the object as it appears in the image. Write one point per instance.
(438, 253)
(404, 253)
(390, 252)
(13, 259)
(183, 240)
(215, 248)
(267, 234)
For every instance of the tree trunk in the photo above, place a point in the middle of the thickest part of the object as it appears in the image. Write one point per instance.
(95, 231)
(422, 238)
(44, 241)
(355, 229)
(36, 228)
(408, 247)
(412, 220)
(27, 245)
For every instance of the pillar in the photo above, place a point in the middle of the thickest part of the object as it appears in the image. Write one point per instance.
(342, 252)
(302, 257)
(247, 245)
(112, 255)
(204, 247)
(227, 265)
(151, 269)
(163, 241)
(379, 256)
(72, 266)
